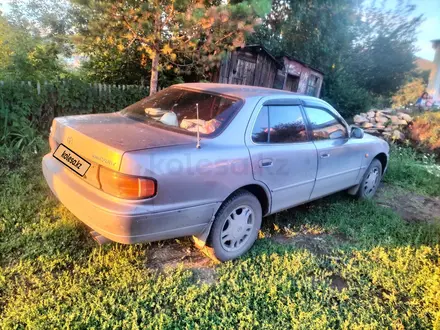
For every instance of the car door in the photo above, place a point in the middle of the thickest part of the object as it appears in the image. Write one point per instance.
(282, 155)
(339, 157)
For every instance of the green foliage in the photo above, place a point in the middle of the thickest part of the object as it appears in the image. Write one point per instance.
(24, 113)
(383, 274)
(409, 93)
(384, 49)
(186, 37)
(27, 57)
(414, 171)
(49, 20)
(425, 132)
(315, 32)
(365, 52)
(341, 90)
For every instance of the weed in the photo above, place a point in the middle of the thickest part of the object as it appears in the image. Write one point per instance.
(414, 171)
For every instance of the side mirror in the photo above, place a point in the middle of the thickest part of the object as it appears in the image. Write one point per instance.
(356, 132)
(338, 134)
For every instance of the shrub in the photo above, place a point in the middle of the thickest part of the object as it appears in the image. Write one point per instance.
(414, 171)
(425, 131)
(26, 111)
(409, 93)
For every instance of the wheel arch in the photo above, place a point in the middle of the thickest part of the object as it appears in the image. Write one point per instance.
(260, 192)
(383, 158)
(262, 195)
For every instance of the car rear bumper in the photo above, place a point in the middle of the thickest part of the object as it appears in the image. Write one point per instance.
(120, 220)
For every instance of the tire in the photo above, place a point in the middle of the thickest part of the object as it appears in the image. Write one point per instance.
(235, 226)
(371, 180)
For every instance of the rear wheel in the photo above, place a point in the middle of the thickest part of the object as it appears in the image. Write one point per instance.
(236, 226)
(371, 180)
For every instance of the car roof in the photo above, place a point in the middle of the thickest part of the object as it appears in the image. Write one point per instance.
(245, 91)
(240, 91)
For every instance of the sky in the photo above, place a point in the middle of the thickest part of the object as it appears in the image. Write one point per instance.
(429, 30)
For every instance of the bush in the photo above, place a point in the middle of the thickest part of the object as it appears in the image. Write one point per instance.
(409, 93)
(414, 171)
(24, 113)
(341, 91)
(425, 131)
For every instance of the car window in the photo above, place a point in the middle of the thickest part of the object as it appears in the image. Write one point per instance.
(279, 124)
(261, 127)
(325, 125)
(176, 108)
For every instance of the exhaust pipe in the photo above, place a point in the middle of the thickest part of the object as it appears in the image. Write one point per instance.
(101, 240)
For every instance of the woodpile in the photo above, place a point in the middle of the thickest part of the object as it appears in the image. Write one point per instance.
(387, 123)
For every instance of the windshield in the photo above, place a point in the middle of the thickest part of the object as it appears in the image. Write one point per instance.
(176, 108)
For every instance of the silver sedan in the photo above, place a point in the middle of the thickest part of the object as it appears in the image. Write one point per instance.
(208, 161)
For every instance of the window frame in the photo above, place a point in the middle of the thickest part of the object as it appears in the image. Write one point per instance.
(281, 102)
(331, 113)
(314, 87)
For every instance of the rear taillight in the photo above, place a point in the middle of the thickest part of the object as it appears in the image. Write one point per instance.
(125, 186)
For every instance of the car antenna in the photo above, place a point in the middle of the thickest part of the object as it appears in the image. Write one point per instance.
(198, 127)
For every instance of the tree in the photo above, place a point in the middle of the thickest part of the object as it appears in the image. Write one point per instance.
(25, 57)
(51, 20)
(384, 47)
(317, 32)
(365, 51)
(179, 35)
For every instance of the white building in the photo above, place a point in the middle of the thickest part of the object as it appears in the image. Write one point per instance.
(434, 80)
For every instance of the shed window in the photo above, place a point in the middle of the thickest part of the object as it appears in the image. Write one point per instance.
(312, 85)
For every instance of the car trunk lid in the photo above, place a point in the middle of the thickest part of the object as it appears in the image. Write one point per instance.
(104, 138)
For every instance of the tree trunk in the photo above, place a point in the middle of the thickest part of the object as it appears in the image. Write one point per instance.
(154, 74)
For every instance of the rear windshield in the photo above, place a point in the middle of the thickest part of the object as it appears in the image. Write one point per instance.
(175, 108)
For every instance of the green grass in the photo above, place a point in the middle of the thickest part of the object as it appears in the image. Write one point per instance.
(53, 275)
(414, 171)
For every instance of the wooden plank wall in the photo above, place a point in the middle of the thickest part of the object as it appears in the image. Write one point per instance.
(265, 71)
(247, 67)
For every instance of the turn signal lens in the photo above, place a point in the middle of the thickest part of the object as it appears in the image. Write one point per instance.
(125, 186)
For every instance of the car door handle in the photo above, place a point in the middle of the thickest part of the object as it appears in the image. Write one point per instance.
(325, 155)
(266, 162)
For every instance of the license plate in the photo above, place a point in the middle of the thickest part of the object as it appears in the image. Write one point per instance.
(76, 163)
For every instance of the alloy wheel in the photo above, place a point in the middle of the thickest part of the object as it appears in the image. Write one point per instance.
(371, 182)
(237, 228)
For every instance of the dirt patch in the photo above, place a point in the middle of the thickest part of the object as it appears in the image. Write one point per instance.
(338, 283)
(319, 244)
(410, 206)
(168, 255)
(204, 275)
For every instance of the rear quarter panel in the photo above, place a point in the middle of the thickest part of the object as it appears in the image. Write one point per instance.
(187, 176)
(371, 146)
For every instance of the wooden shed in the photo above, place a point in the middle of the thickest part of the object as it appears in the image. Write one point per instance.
(253, 65)
(301, 78)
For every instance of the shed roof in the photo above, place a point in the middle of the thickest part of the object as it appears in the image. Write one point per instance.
(279, 63)
(303, 63)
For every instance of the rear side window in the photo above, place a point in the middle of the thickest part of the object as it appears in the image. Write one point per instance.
(325, 125)
(280, 124)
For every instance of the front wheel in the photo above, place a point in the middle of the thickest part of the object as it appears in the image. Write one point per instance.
(236, 226)
(371, 180)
